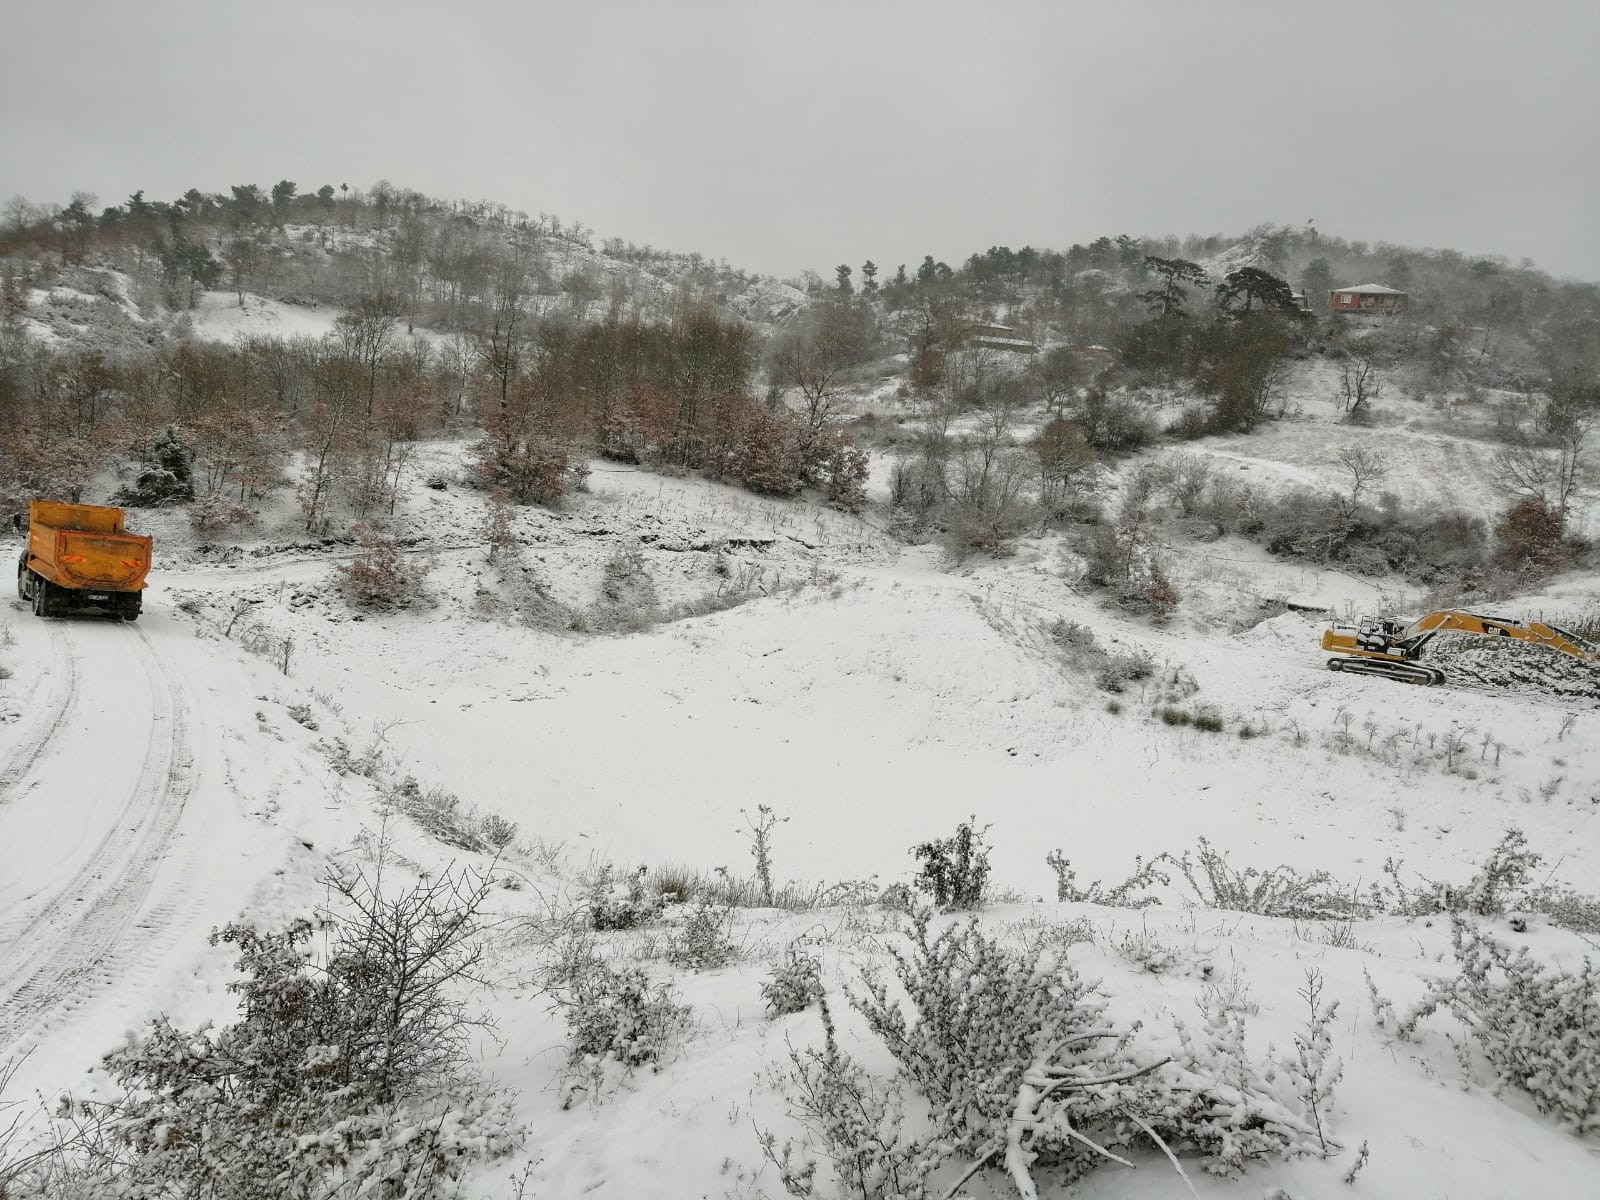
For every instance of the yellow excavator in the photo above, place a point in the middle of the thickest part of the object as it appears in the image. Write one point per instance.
(1390, 647)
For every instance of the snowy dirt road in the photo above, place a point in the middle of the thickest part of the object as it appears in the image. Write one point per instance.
(97, 792)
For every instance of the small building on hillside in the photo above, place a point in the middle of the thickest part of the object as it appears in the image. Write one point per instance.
(1371, 298)
(995, 336)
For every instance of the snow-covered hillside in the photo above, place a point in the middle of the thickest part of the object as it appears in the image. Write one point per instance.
(117, 303)
(640, 671)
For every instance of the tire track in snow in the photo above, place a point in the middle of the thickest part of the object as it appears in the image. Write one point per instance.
(64, 952)
(63, 700)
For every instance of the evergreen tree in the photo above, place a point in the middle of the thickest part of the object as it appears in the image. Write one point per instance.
(869, 278)
(1168, 300)
(283, 193)
(247, 205)
(1256, 287)
(843, 273)
(167, 476)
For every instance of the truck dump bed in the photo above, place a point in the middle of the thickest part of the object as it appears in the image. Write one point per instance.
(86, 547)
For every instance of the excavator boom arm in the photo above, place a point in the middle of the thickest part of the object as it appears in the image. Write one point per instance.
(1424, 628)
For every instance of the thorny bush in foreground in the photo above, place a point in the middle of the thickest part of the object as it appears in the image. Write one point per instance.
(348, 1078)
(858, 1123)
(1538, 1027)
(1022, 1065)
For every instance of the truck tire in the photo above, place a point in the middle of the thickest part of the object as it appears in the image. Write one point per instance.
(22, 578)
(41, 599)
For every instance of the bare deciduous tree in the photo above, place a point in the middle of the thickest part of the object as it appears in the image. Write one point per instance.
(1066, 464)
(813, 359)
(1360, 381)
(1548, 476)
(1365, 469)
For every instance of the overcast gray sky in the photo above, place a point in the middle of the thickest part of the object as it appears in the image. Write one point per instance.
(782, 136)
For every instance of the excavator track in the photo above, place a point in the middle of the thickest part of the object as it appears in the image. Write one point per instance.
(1400, 672)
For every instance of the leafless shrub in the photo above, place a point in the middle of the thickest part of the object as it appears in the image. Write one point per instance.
(854, 1120)
(376, 578)
(214, 513)
(1279, 892)
(1132, 892)
(345, 1074)
(1538, 1027)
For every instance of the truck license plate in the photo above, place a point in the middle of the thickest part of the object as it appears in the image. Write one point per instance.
(99, 596)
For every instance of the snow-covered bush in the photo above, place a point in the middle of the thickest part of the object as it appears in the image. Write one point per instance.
(617, 1016)
(1117, 671)
(215, 512)
(978, 1014)
(1113, 670)
(955, 870)
(856, 1122)
(367, 763)
(703, 944)
(1500, 884)
(302, 715)
(1313, 1070)
(441, 814)
(1218, 1101)
(375, 578)
(1538, 1027)
(497, 830)
(345, 1078)
(526, 468)
(1023, 1064)
(1147, 952)
(627, 602)
(621, 903)
(1132, 892)
(1278, 892)
(796, 984)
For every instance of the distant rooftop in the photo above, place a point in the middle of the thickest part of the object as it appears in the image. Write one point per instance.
(1372, 289)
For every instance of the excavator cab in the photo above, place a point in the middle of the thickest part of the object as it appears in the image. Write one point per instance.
(1376, 633)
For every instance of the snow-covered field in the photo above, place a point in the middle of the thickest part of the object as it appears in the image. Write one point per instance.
(154, 783)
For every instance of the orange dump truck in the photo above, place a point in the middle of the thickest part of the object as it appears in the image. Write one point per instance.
(81, 559)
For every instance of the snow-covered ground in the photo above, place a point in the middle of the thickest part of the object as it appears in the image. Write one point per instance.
(154, 783)
(228, 317)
